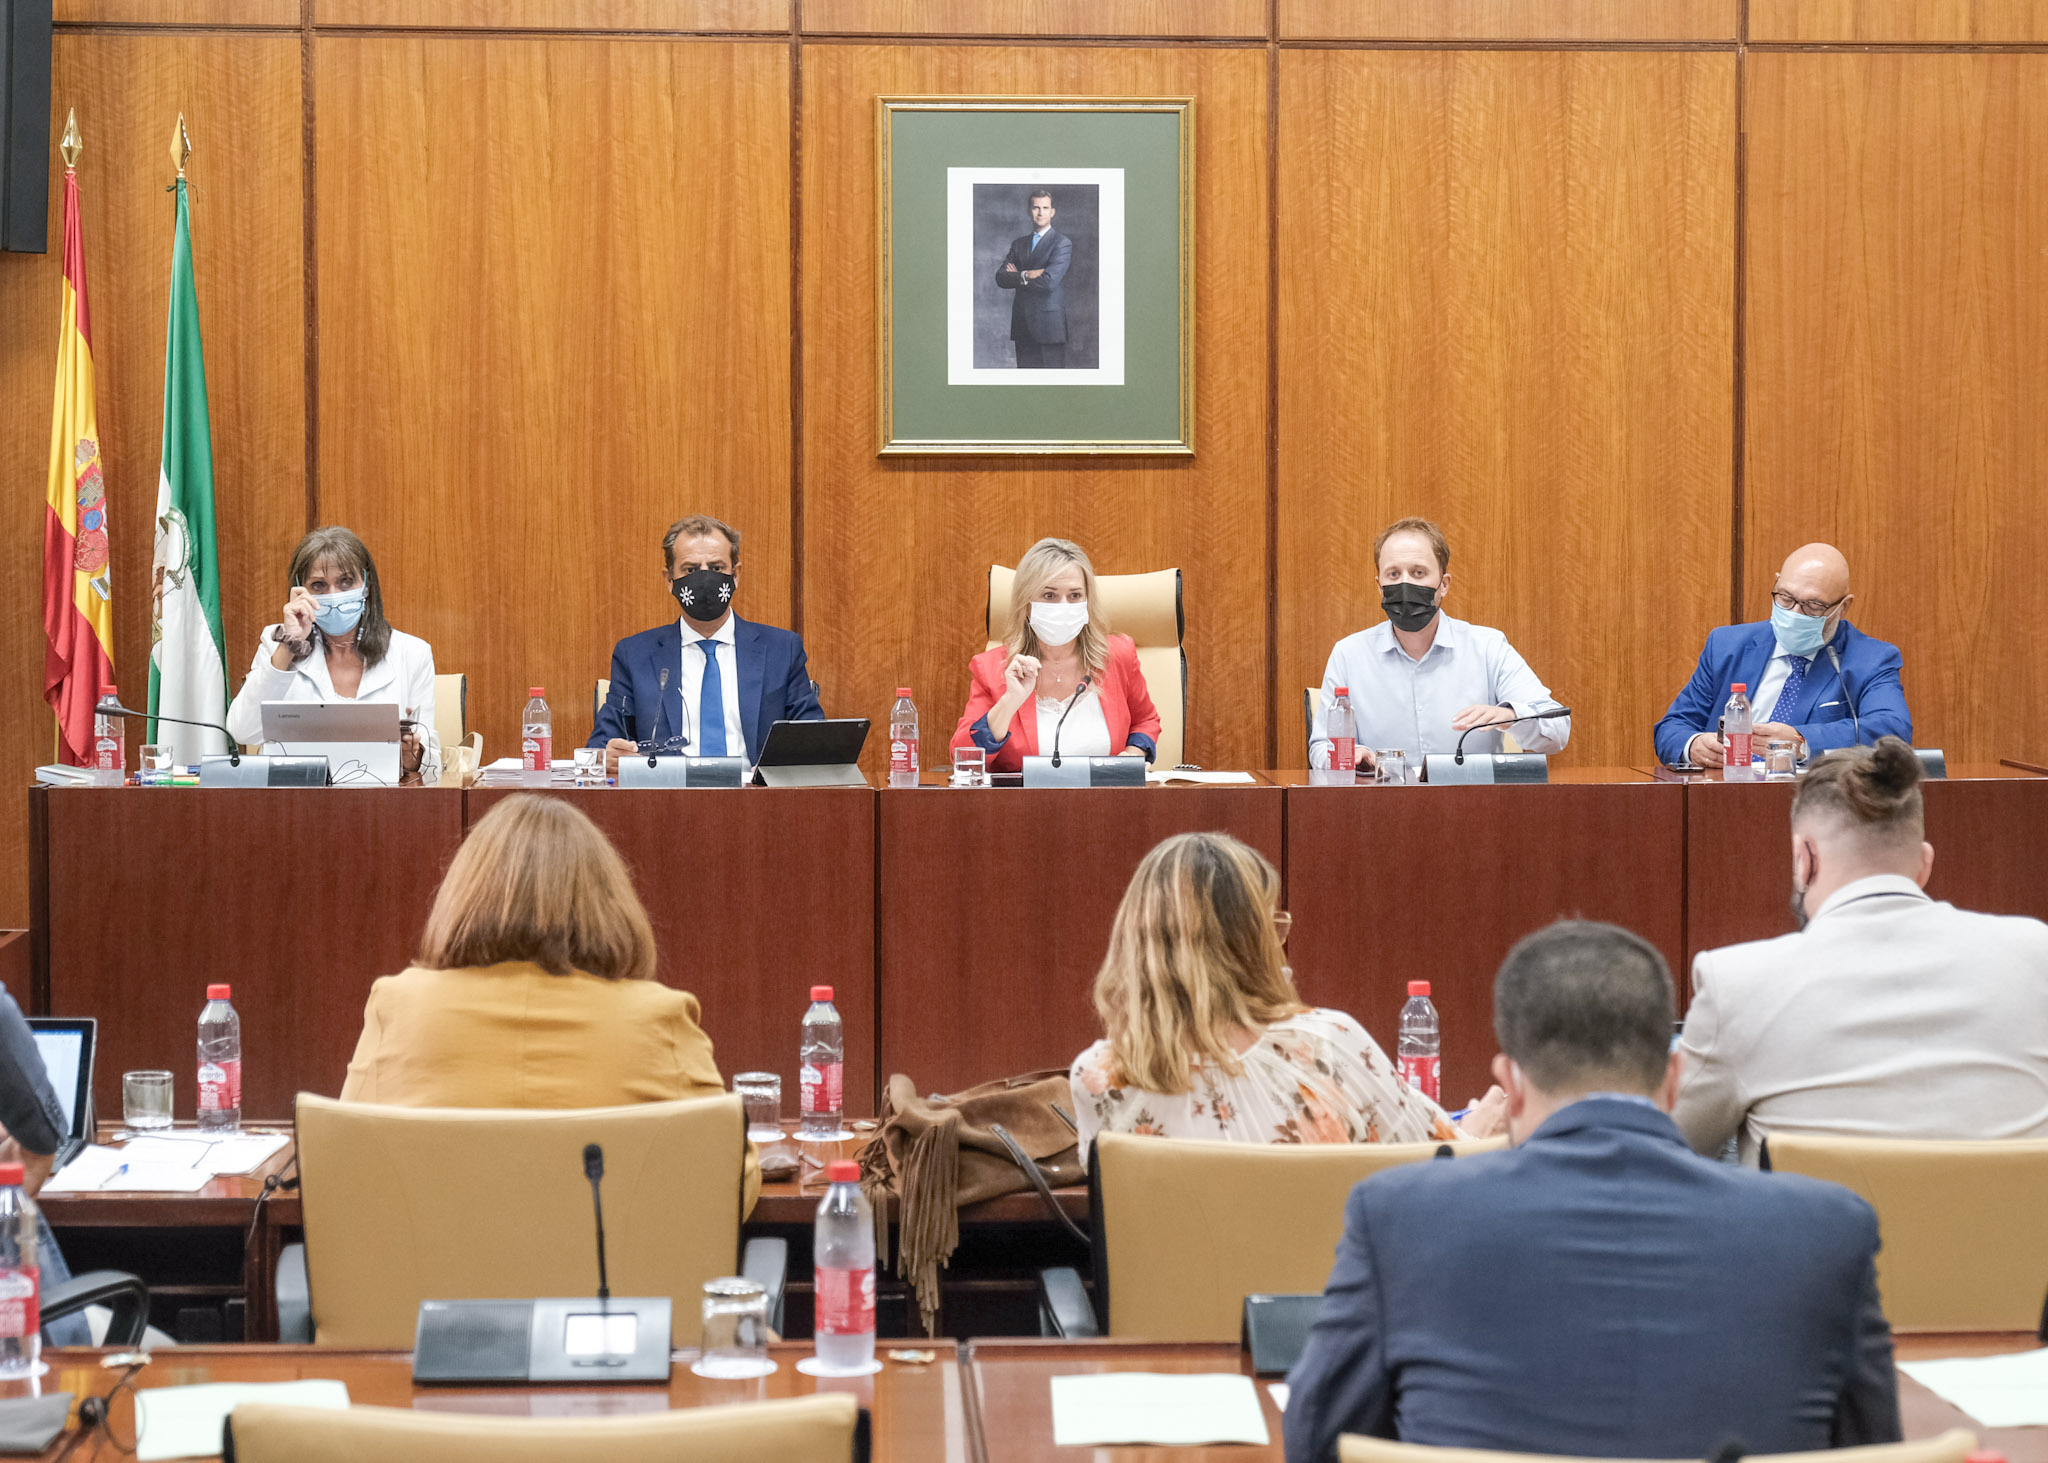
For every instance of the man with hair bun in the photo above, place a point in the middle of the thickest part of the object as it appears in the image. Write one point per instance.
(1888, 1014)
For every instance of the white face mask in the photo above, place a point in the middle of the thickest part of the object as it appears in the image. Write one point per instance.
(1056, 624)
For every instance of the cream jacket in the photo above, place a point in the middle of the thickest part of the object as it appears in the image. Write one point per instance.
(405, 675)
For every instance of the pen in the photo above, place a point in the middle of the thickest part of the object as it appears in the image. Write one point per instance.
(114, 1175)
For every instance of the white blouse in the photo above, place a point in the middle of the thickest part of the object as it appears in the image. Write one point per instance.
(405, 675)
(1086, 733)
(1314, 1078)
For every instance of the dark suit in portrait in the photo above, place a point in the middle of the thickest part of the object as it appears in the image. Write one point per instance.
(1038, 314)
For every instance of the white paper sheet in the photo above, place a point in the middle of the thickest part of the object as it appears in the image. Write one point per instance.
(1998, 1391)
(1280, 1394)
(98, 1169)
(237, 1153)
(1156, 1409)
(1206, 779)
(186, 1422)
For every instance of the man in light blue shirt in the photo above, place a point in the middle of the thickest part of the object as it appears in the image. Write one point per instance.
(1421, 679)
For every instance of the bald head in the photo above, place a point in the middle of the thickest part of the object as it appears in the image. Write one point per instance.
(1815, 579)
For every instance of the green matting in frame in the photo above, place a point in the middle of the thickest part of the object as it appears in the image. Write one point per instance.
(953, 174)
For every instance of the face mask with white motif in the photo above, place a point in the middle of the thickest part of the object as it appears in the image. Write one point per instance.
(1057, 624)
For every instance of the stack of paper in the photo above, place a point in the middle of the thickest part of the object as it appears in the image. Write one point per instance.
(187, 1422)
(97, 1169)
(1998, 1391)
(210, 1153)
(1155, 1409)
(1205, 779)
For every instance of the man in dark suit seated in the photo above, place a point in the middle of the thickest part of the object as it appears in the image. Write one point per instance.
(1035, 268)
(1597, 1289)
(710, 684)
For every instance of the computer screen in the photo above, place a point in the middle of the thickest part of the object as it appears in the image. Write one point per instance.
(62, 1051)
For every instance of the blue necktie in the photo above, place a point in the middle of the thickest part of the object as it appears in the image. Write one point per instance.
(710, 705)
(1788, 694)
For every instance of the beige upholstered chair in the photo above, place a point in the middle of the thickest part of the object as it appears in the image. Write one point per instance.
(815, 1429)
(451, 707)
(1965, 1242)
(403, 1205)
(1146, 607)
(1951, 1447)
(1186, 1230)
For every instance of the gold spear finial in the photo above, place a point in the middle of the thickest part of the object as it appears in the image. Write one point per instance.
(72, 144)
(181, 146)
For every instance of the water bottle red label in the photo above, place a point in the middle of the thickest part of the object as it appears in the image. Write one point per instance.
(1343, 754)
(845, 1301)
(220, 1086)
(903, 754)
(1425, 1075)
(537, 752)
(823, 1086)
(21, 1303)
(1739, 748)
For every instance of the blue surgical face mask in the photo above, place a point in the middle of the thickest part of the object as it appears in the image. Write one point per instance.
(338, 613)
(1797, 634)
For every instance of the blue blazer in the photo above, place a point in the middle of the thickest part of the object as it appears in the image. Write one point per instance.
(775, 685)
(1869, 679)
(1600, 1291)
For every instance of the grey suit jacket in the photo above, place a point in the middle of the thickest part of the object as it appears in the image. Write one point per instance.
(29, 1109)
(1891, 1015)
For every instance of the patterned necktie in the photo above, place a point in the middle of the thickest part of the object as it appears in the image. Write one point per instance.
(710, 704)
(1788, 694)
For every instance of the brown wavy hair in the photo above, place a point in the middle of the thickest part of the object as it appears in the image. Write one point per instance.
(341, 548)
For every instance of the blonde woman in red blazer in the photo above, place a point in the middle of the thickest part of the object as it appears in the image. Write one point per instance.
(1057, 660)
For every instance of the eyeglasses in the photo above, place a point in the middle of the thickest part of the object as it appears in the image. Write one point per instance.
(1283, 922)
(1812, 608)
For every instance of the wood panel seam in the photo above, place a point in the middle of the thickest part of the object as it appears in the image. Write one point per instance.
(1273, 385)
(310, 267)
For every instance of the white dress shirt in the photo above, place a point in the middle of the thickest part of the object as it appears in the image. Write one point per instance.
(1086, 733)
(1408, 704)
(405, 675)
(692, 684)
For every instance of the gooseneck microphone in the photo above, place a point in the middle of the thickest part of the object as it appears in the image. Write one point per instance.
(111, 706)
(1072, 701)
(593, 1169)
(1545, 712)
(1855, 727)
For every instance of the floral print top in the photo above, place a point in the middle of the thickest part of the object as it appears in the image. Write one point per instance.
(1314, 1078)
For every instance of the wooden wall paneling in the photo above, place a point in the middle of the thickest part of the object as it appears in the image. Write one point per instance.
(1510, 20)
(554, 317)
(240, 96)
(520, 15)
(1897, 355)
(1505, 303)
(1952, 22)
(1040, 18)
(281, 13)
(897, 550)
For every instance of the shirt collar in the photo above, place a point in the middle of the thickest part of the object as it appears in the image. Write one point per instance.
(1876, 884)
(1449, 633)
(723, 634)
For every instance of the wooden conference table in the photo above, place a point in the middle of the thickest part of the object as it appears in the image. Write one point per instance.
(979, 1402)
(961, 931)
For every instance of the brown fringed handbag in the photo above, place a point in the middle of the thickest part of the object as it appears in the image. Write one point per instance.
(936, 1154)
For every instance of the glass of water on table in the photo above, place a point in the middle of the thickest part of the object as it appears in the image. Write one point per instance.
(146, 1101)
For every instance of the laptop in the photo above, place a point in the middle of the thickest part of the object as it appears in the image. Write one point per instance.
(359, 739)
(65, 1044)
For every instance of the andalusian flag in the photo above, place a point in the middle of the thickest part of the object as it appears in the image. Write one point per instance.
(78, 610)
(188, 674)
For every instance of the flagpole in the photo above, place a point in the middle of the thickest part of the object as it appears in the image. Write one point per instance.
(71, 146)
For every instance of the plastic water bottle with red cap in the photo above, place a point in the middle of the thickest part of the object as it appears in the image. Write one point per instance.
(903, 763)
(821, 1074)
(220, 1063)
(537, 737)
(1738, 736)
(843, 1266)
(110, 745)
(1421, 1045)
(21, 1278)
(1340, 725)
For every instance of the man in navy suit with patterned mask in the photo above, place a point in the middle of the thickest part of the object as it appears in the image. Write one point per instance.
(1035, 268)
(711, 683)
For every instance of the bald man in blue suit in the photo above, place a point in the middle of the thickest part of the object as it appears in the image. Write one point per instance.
(1812, 677)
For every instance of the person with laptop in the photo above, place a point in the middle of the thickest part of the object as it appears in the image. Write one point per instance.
(1060, 679)
(36, 1128)
(334, 644)
(710, 684)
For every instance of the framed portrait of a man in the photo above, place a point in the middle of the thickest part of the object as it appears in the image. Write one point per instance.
(1037, 263)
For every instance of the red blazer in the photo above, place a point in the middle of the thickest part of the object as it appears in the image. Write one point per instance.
(1126, 706)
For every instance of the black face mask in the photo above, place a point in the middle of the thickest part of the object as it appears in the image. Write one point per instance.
(704, 594)
(1410, 606)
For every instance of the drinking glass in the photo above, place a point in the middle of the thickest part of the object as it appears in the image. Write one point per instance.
(1781, 760)
(146, 1100)
(155, 765)
(761, 1096)
(970, 767)
(735, 1343)
(1392, 767)
(589, 766)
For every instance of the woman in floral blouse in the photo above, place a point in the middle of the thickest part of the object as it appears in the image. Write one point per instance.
(1207, 1038)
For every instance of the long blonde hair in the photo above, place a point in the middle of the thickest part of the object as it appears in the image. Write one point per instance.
(1044, 559)
(1193, 952)
(536, 881)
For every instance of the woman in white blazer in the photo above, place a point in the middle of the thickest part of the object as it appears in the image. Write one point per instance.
(336, 645)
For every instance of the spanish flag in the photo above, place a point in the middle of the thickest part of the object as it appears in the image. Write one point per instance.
(78, 610)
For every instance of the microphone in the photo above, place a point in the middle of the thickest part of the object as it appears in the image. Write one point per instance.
(593, 1169)
(1549, 709)
(1072, 701)
(1855, 726)
(111, 706)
